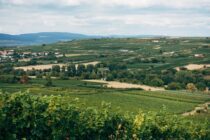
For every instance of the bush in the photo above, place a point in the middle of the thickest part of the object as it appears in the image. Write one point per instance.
(191, 87)
(157, 82)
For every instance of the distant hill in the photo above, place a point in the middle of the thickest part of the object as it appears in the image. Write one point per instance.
(52, 37)
(39, 38)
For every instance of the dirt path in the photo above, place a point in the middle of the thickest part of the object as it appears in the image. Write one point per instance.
(115, 84)
(202, 108)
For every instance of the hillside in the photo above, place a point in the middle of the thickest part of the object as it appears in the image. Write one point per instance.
(39, 38)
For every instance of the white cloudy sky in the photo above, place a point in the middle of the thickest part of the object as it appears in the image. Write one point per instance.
(105, 17)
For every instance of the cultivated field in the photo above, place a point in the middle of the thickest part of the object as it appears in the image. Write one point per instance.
(195, 66)
(120, 85)
(92, 94)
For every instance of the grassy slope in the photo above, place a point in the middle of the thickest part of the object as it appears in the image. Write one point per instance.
(92, 94)
(185, 48)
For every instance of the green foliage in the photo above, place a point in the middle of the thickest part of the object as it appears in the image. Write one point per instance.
(157, 82)
(71, 69)
(185, 77)
(80, 69)
(174, 86)
(48, 81)
(9, 79)
(23, 116)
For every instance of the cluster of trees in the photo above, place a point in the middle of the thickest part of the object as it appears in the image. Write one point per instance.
(170, 78)
(24, 79)
(70, 71)
(24, 116)
(146, 60)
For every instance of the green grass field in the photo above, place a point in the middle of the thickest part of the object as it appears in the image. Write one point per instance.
(131, 100)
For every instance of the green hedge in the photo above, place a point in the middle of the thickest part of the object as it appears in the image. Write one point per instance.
(23, 116)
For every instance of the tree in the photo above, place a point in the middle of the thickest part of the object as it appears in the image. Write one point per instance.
(56, 68)
(110, 77)
(90, 68)
(85, 75)
(48, 81)
(80, 69)
(167, 78)
(24, 79)
(157, 82)
(63, 69)
(71, 70)
(93, 75)
(184, 77)
(174, 86)
(38, 74)
(9, 79)
(63, 76)
(32, 62)
(191, 87)
(201, 85)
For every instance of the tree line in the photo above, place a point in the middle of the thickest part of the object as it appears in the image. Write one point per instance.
(169, 78)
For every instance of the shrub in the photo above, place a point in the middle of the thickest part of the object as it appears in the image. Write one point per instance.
(191, 87)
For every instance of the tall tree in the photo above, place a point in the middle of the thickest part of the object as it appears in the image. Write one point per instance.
(71, 70)
(80, 69)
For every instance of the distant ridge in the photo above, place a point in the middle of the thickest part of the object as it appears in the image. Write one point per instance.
(52, 37)
(39, 38)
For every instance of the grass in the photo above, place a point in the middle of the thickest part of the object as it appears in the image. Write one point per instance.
(131, 100)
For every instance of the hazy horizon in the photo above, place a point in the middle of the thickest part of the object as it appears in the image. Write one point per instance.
(101, 17)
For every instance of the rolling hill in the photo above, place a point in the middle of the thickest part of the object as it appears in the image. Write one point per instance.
(7, 40)
(39, 38)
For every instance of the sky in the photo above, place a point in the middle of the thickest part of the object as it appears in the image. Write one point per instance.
(107, 17)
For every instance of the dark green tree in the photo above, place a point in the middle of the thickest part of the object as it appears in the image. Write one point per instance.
(174, 86)
(71, 70)
(80, 69)
(90, 68)
(48, 81)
